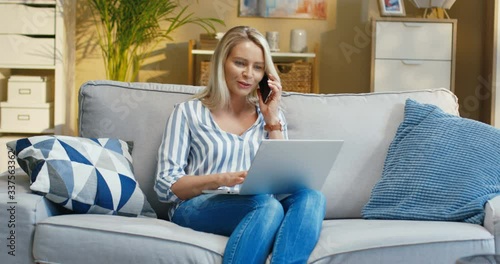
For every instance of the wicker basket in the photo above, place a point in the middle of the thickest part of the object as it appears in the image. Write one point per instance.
(204, 72)
(295, 76)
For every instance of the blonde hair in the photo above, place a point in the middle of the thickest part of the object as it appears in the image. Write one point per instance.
(216, 93)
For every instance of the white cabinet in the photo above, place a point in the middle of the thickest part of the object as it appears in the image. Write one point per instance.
(26, 51)
(413, 54)
(30, 20)
(36, 40)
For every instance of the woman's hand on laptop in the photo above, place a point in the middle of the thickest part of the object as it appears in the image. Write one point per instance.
(231, 178)
(190, 186)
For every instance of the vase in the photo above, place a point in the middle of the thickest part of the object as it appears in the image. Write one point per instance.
(273, 39)
(298, 40)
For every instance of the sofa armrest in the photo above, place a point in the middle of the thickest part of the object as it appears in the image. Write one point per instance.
(492, 220)
(20, 215)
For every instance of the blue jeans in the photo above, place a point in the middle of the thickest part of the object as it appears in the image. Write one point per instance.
(257, 224)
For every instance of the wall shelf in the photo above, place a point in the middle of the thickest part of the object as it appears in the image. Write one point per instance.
(273, 54)
(29, 2)
(28, 67)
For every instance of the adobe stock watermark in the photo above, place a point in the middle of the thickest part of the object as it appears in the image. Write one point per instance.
(221, 7)
(37, 24)
(123, 106)
(224, 7)
(362, 39)
(482, 92)
(11, 204)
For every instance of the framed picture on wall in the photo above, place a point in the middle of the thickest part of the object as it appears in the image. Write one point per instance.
(392, 7)
(305, 9)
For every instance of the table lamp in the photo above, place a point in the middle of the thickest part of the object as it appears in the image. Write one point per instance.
(438, 4)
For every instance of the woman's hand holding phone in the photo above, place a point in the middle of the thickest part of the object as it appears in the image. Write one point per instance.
(265, 90)
(269, 101)
(269, 89)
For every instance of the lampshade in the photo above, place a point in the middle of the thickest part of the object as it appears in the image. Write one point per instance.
(446, 4)
(439, 6)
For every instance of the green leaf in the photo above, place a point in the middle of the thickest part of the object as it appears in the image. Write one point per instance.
(127, 29)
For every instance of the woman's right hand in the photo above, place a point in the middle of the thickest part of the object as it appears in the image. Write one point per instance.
(231, 178)
(190, 186)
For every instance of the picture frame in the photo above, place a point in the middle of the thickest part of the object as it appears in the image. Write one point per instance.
(301, 9)
(392, 7)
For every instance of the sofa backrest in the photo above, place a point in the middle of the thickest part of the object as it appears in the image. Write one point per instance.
(135, 112)
(366, 122)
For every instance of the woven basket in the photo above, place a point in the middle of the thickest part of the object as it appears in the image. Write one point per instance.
(204, 72)
(295, 76)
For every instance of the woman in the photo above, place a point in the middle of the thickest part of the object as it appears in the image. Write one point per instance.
(209, 143)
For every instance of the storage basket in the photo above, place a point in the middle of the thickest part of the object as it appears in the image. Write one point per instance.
(204, 72)
(295, 76)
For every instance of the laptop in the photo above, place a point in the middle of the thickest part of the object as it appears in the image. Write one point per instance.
(285, 166)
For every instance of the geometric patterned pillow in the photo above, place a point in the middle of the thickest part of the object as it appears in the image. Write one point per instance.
(85, 175)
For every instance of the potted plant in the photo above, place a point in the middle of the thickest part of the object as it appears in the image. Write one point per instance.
(128, 30)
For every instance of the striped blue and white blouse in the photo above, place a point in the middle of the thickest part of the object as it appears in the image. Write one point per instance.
(193, 144)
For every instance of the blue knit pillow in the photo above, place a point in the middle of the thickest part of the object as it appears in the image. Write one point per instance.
(439, 167)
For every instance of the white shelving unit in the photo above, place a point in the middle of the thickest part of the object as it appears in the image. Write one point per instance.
(278, 55)
(37, 39)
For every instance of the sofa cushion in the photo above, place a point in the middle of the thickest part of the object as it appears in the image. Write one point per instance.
(85, 175)
(439, 167)
(111, 239)
(399, 241)
(147, 240)
(22, 216)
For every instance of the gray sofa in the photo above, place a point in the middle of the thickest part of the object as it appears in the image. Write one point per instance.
(45, 233)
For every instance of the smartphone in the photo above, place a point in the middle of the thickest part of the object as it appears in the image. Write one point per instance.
(264, 88)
